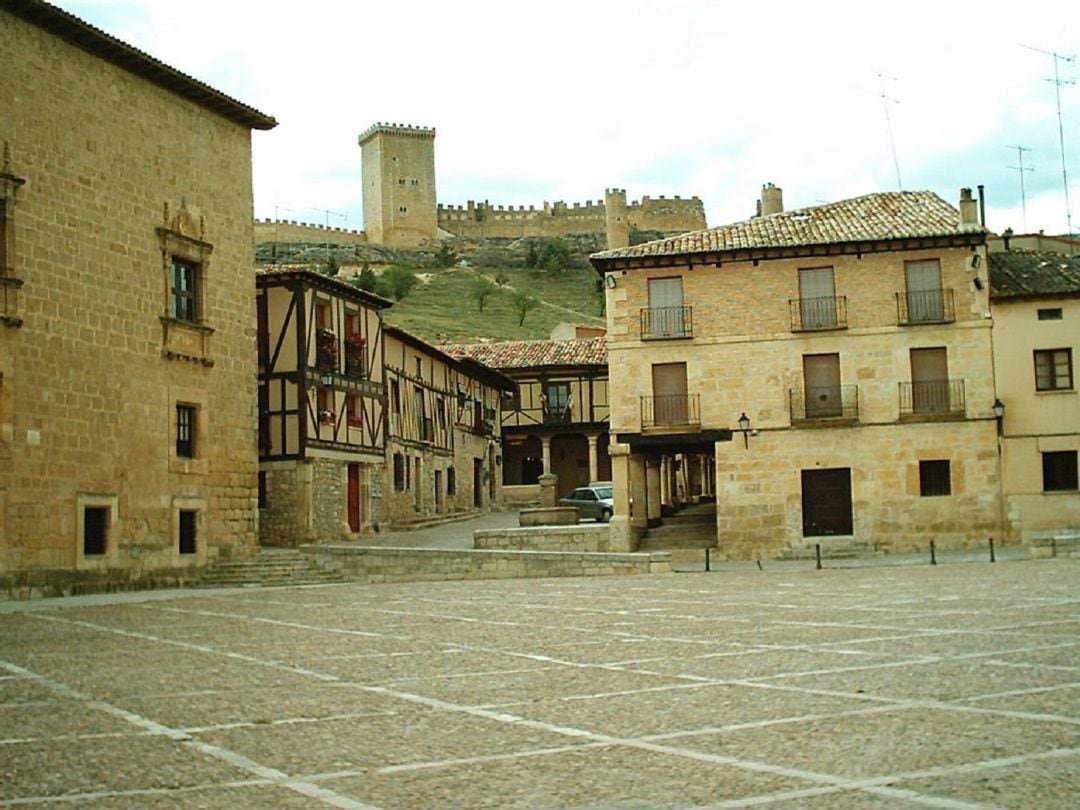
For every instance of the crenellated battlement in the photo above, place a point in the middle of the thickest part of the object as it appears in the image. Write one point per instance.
(559, 218)
(286, 230)
(406, 130)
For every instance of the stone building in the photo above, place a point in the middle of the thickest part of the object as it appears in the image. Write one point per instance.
(557, 421)
(443, 439)
(126, 406)
(847, 350)
(1036, 305)
(398, 173)
(322, 395)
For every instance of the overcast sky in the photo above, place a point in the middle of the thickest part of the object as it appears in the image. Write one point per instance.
(558, 100)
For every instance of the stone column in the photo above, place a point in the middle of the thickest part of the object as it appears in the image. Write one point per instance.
(621, 536)
(545, 444)
(652, 489)
(593, 466)
(638, 492)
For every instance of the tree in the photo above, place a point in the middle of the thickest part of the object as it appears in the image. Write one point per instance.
(501, 278)
(481, 290)
(532, 256)
(330, 266)
(523, 305)
(366, 280)
(398, 281)
(446, 256)
(555, 255)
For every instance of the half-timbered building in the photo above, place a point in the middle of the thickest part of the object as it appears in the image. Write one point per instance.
(557, 420)
(443, 439)
(322, 396)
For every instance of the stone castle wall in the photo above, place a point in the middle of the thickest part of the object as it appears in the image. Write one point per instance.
(270, 230)
(483, 220)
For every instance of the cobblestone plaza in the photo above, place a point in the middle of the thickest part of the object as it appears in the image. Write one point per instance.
(950, 686)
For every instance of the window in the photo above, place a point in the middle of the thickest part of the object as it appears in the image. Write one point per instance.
(187, 532)
(395, 396)
(185, 431)
(821, 386)
(184, 290)
(419, 368)
(95, 530)
(1059, 471)
(451, 481)
(262, 489)
(934, 478)
(1051, 314)
(440, 410)
(817, 298)
(555, 402)
(353, 413)
(930, 390)
(399, 472)
(669, 400)
(925, 302)
(666, 316)
(1053, 369)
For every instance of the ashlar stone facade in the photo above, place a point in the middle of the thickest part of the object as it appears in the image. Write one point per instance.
(127, 449)
(826, 375)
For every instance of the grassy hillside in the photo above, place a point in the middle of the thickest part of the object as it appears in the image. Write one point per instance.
(441, 308)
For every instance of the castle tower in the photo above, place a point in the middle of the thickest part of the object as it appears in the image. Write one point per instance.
(398, 165)
(616, 222)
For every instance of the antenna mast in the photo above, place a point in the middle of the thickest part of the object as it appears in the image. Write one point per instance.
(885, 101)
(1021, 168)
(1058, 82)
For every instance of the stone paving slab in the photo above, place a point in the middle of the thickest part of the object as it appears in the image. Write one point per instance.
(902, 686)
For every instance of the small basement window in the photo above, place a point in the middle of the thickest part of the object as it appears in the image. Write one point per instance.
(934, 478)
(1050, 314)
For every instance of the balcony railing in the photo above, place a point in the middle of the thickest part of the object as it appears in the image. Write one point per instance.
(925, 306)
(932, 398)
(326, 350)
(818, 314)
(671, 409)
(824, 402)
(664, 323)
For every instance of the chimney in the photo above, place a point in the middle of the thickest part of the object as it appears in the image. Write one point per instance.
(772, 200)
(969, 214)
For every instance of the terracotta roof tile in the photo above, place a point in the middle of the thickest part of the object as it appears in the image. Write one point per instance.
(510, 354)
(1028, 274)
(885, 215)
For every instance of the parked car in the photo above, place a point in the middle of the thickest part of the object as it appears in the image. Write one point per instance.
(593, 501)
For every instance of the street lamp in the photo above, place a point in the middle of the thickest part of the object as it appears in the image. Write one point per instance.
(744, 427)
(999, 413)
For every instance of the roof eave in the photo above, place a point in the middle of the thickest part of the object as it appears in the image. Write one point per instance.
(95, 41)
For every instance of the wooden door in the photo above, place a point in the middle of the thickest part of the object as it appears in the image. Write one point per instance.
(826, 502)
(924, 296)
(669, 393)
(353, 499)
(929, 380)
(817, 298)
(821, 375)
(478, 482)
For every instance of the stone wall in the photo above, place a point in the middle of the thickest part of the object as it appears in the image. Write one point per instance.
(269, 230)
(120, 176)
(484, 221)
(377, 564)
(286, 518)
(547, 538)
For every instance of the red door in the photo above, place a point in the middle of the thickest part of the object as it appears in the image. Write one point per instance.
(354, 498)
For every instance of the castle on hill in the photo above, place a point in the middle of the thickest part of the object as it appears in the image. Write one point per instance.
(401, 210)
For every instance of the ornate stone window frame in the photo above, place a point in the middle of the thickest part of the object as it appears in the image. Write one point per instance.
(181, 238)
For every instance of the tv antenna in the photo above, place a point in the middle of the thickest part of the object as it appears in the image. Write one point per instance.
(885, 102)
(1020, 167)
(1058, 82)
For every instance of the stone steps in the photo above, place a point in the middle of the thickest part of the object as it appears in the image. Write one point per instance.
(269, 569)
(692, 527)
